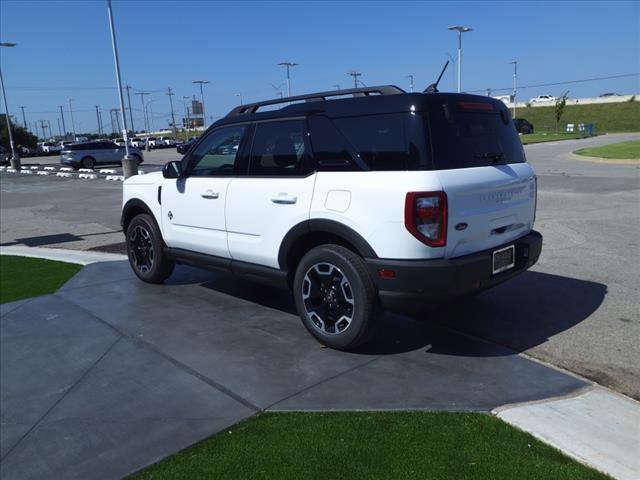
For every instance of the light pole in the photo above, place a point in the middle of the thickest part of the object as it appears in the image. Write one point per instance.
(147, 113)
(146, 124)
(73, 123)
(98, 120)
(337, 85)
(410, 77)
(129, 164)
(15, 158)
(355, 74)
(128, 87)
(202, 82)
(24, 119)
(59, 127)
(238, 95)
(515, 84)
(185, 101)
(64, 127)
(288, 66)
(460, 29)
(173, 118)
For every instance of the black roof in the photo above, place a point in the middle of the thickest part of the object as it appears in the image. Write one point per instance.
(352, 102)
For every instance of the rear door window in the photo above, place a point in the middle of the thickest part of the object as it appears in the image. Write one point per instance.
(473, 134)
(279, 149)
(384, 142)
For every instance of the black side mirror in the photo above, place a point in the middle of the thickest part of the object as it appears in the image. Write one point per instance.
(172, 169)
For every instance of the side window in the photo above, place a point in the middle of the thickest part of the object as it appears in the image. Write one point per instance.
(381, 140)
(279, 148)
(217, 153)
(329, 147)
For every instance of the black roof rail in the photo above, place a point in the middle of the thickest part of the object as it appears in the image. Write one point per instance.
(319, 96)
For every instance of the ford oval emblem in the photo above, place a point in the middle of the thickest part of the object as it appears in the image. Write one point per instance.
(461, 226)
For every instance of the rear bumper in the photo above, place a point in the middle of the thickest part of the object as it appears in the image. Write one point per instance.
(420, 284)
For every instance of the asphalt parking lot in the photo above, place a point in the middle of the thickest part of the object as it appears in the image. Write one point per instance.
(579, 307)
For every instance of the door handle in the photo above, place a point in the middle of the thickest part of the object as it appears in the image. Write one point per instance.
(284, 199)
(209, 194)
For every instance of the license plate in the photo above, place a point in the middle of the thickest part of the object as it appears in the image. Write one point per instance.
(503, 259)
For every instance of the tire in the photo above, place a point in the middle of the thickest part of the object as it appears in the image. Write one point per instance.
(88, 162)
(145, 250)
(332, 281)
(137, 157)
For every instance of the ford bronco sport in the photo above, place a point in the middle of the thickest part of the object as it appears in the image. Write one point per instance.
(358, 201)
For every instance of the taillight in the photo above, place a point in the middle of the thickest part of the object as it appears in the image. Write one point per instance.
(425, 216)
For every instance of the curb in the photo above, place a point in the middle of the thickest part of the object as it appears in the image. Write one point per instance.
(80, 257)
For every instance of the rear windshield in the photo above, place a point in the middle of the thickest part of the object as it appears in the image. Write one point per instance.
(466, 137)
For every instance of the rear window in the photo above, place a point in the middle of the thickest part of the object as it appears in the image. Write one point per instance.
(463, 135)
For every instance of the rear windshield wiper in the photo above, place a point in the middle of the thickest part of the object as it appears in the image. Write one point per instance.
(495, 156)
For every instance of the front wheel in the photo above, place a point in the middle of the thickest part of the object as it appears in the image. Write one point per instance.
(145, 250)
(335, 297)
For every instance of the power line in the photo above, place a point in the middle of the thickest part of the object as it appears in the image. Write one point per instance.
(584, 80)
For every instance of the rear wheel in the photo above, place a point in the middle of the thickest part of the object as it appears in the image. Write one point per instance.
(145, 249)
(88, 162)
(335, 297)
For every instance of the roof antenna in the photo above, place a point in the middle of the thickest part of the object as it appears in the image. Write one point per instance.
(433, 88)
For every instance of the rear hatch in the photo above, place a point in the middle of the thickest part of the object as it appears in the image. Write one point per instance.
(480, 162)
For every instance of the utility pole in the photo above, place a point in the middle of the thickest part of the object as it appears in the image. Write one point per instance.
(15, 158)
(129, 163)
(64, 128)
(186, 110)
(515, 84)
(355, 76)
(98, 120)
(144, 111)
(288, 66)
(24, 119)
(128, 87)
(460, 29)
(173, 118)
(410, 77)
(59, 128)
(101, 123)
(202, 82)
(73, 123)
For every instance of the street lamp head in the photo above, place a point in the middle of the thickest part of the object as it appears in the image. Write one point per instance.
(7, 44)
(460, 28)
(201, 81)
(289, 64)
(513, 62)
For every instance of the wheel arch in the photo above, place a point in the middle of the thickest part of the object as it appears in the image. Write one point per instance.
(312, 233)
(134, 207)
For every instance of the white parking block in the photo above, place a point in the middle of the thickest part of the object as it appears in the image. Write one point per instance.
(42, 173)
(88, 176)
(26, 172)
(140, 172)
(86, 170)
(2, 168)
(66, 169)
(35, 167)
(63, 174)
(49, 168)
(106, 170)
(11, 170)
(117, 178)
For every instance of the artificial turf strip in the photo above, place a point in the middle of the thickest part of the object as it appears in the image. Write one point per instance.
(370, 445)
(23, 277)
(621, 150)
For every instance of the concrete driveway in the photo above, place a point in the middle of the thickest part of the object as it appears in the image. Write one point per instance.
(109, 374)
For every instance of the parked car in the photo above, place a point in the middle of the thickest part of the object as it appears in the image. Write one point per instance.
(348, 202)
(523, 126)
(151, 143)
(5, 156)
(90, 154)
(610, 94)
(49, 148)
(138, 142)
(185, 146)
(165, 142)
(543, 99)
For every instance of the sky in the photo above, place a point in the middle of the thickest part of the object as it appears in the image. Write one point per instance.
(64, 51)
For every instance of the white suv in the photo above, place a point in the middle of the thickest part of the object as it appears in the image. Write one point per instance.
(384, 200)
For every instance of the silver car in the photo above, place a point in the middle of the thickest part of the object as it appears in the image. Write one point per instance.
(90, 154)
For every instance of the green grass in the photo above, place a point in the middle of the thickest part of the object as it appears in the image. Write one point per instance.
(622, 150)
(22, 277)
(548, 137)
(371, 445)
(606, 117)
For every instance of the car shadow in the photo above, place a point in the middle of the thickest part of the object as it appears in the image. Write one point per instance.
(512, 317)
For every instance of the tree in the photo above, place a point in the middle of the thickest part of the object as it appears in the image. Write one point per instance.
(21, 136)
(559, 108)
